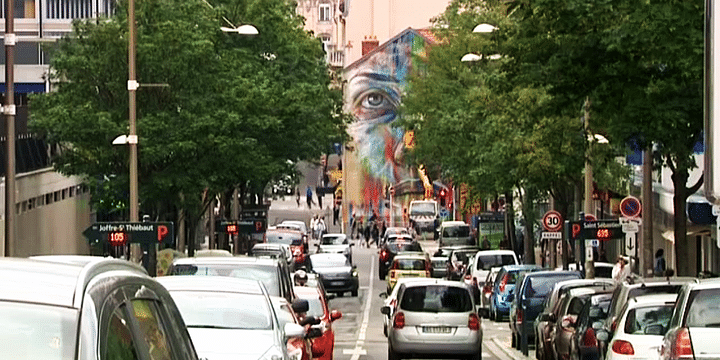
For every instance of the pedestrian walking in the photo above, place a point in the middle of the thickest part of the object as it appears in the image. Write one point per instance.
(309, 197)
(485, 243)
(621, 270)
(660, 265)
(297, 196)
(353, 223)
(319, 196)
(322, 226)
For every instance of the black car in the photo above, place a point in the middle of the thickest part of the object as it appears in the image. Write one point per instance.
(394, 245)
(336, 273)
(87, 307)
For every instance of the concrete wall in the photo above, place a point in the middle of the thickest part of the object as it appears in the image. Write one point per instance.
(52, 212)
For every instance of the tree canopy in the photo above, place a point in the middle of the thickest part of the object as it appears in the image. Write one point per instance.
(234, 111)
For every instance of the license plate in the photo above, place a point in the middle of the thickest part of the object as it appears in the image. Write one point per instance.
(336, 283)
(436, 329)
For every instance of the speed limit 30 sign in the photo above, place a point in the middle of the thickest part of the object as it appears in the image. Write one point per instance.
(552, 221)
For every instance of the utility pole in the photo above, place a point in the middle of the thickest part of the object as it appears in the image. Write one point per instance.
(588, 208)
(9, 111)
(646, 262)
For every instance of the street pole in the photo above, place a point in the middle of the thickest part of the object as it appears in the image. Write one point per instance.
(646, 263)
(588, 208)
(9, 110)
(132, 86)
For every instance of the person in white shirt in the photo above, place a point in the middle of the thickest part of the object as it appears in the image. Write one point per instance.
(621, 270)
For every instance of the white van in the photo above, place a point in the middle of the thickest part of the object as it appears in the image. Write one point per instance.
(452, 233)
(487, 259)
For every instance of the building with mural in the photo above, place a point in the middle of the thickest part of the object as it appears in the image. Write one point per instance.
(375, 169)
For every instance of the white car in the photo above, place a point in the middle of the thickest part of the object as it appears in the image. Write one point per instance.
(640, 331)
(391, 301)
(336, 243)
(485, 260)
(434, 317)
(230, 318)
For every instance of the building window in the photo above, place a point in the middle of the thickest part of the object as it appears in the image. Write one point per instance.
(325, 12)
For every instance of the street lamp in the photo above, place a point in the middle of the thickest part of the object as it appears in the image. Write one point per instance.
(470, 57)
(242, 30)
(485, 28)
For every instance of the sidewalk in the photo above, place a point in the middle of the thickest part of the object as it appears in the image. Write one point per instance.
(505, 347)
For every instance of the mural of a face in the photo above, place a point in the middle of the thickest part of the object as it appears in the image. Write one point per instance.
(374, 92)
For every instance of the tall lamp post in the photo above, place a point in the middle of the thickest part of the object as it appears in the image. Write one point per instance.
(9, 111)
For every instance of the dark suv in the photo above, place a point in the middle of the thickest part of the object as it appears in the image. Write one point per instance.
(87, 307)
(394, 245)
(274, 273)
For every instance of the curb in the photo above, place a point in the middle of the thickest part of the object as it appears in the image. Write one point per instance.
(509, 353)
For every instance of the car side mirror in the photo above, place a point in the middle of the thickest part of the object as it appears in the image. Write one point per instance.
(300, 306)
(385, 310)
(383, 295)
(568, 322)
(352, 244)
(598, 325)
(334, 315)
(602, 335)
(293, 330)
(330, 296)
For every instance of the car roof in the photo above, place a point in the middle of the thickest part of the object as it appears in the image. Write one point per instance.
(328, 255)
(211, 283)
(654, 299)
(306, 291)
(434, 281)
(495, 252)
(271, 246)
(340, 235)
(218, 260)
(521, 267)
(656, 281)
(57, 279)
(213, 252)
(410, 255)
(453, 223)
(701, 284)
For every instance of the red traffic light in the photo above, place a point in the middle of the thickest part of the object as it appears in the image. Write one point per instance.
(118, 238)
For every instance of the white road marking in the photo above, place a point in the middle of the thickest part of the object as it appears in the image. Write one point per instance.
(358, 350)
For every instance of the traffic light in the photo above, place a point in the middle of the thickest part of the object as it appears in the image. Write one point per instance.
(442, 197)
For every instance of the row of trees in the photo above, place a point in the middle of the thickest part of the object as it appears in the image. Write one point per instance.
(237, 112)
(516, 122)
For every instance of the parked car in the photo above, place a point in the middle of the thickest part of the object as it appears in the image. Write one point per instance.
(602, 269)
(458, 260)
(77, 307)
(695, 324)
(434, 318)
(408, 265)
(563, 329)
(451, 233)
(298, 225)
(291, 238)
(247, 327)
(273, 273)
(641, 327)
(545, 322)
(335, 243)
(278, 251)
(485, 260)
(584, 344)
(299, 348)
(391, 301)
(336, 273)
(529, 299)
(634, 287)
(484, 306)
(394, 245)
(502, 293)
(324, 344)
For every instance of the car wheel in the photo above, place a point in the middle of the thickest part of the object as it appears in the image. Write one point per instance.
(340, 294)
(392, 355)
(513, 340)
(476, 356)
(539, 352)
(491, 314)
(354, 293)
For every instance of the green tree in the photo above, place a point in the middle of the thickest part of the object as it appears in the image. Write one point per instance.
(237, 111)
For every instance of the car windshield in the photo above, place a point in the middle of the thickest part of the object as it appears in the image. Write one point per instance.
(488, 261)
(222, 310)
(436, 298)
(316, 307)
(398, 246)
(463, 256)
(639, 319)
(704, 308)
(648, 290)
(32, 331)
(409, 264)
(334, 240)
(541, 286)
(329, 261)
(283, 238)
(267, 274)
(456, 231)
(422, 209)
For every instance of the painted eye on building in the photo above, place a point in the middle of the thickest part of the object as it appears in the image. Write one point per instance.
(374, 99)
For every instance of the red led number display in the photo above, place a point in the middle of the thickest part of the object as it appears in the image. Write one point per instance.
(118, 238)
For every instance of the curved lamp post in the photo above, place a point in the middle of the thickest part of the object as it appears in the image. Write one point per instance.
(485, 28)
(242, 30)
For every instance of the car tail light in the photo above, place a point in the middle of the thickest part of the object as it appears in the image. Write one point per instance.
(399, 321)
(589, 339)
(504, 282)
(296, 250)
(681, 346)
(383, 255)
(623, 347)
(474, 322)
(519, 316)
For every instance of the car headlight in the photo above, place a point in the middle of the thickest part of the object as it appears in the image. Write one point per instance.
(273, 353)
(354, 273)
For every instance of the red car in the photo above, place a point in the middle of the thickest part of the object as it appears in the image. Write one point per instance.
(286, 314)
(322, 346)
(290, 237)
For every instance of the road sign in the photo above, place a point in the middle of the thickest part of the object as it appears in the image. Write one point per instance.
(630, 241)
(594, 242)
(552, 221)
(600, 229)
(551, 235)
(630, 227)
(590, 218)
(630, 207)
(120, 233)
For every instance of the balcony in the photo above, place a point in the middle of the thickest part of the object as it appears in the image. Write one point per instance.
(335, 57)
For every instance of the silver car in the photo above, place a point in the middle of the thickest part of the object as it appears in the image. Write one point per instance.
(434, 318)
(231, 318)
(335, 244)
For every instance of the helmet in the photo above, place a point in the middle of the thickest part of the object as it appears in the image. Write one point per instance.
(300, 277)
